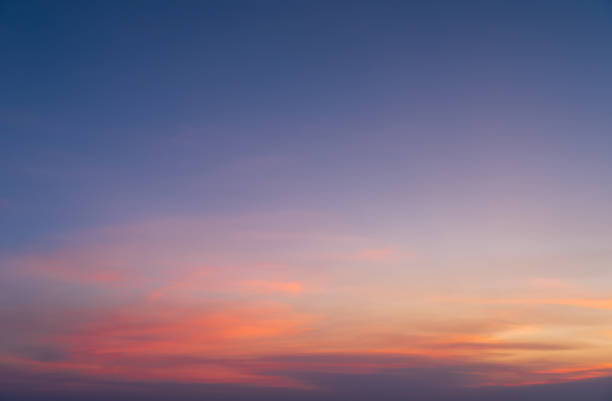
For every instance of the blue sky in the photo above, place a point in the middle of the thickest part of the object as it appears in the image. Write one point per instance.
(115, 110)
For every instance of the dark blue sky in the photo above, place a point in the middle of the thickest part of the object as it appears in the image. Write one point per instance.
(115, 110)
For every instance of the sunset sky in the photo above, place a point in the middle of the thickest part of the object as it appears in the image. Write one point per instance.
(306, 200)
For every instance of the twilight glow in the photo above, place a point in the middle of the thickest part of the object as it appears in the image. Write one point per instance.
(306, 200)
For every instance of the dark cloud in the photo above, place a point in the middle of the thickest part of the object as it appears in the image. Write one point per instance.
(44, 353)
(342, 388)
(404, 378)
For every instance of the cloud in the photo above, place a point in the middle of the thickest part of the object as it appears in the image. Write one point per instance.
(192, 279)
(273, 287)
(375, 255)
(214, 301)
(580, 372)
(306, 378)
(549, 283)
(594, 303)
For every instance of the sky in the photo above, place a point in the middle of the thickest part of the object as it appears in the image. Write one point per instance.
(305, 200)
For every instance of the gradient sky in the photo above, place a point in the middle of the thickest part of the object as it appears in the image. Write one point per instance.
(300, 200)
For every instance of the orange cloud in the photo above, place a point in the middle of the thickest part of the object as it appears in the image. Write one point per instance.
(273, 287)
(594, 303)
(141, 342)
(176, 329)
(604, 303)
(579, 373)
